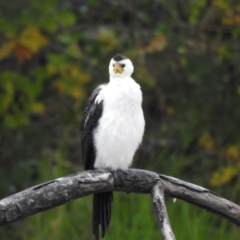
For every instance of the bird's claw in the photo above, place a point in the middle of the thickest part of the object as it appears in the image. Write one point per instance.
(118, 176)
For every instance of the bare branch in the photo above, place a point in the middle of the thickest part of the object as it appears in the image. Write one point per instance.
(161, 210)
(59, 191)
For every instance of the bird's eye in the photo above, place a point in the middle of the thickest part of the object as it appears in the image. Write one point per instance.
(122, 65)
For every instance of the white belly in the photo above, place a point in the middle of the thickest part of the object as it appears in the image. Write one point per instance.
(120, 128)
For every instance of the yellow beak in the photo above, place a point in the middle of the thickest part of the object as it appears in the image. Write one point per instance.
(117, 68)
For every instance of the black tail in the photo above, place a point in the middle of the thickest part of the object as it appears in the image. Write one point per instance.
(101, 212)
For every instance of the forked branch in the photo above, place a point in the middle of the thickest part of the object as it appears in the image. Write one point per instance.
(59, 191)
(161, 210)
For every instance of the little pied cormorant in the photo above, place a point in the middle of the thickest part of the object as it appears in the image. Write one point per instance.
(111, 131)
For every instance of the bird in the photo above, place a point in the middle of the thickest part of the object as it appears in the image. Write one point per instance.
(111, 131)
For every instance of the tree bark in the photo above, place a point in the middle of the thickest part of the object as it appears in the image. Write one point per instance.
(161, 210)
(59, 191)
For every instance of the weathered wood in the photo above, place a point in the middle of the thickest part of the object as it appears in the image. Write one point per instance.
(59, 191)
(161, 210)
(201, 197)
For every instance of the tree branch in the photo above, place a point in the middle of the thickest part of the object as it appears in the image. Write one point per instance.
(59, 191)
(159, 204)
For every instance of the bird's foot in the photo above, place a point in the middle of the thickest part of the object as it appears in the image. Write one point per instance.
(118, 176)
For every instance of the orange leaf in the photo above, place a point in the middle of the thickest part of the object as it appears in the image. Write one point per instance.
(22, 53)
(60, 87)
(158, 43)
(77, 93)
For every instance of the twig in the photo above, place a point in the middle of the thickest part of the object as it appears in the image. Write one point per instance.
(161, 210)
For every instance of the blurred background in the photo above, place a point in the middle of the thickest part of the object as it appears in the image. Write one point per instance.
(186, 55)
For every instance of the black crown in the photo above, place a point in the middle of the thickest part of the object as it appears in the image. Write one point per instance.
(119, 58)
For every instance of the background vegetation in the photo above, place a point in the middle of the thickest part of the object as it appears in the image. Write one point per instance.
(186, 55)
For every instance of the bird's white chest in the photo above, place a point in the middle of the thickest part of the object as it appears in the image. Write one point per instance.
(121, 126)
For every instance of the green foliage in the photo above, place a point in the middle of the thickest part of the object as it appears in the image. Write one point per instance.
(26, 91)
(186, 58)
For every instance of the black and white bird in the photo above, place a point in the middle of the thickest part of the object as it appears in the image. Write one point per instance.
(111, 131)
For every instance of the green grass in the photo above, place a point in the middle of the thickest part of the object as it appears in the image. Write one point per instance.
(133, 218)
(191, 222)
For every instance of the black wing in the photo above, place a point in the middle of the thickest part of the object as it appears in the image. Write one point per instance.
(101, 201)
(89, 122)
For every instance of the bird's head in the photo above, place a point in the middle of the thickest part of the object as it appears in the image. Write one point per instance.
(120, 66)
